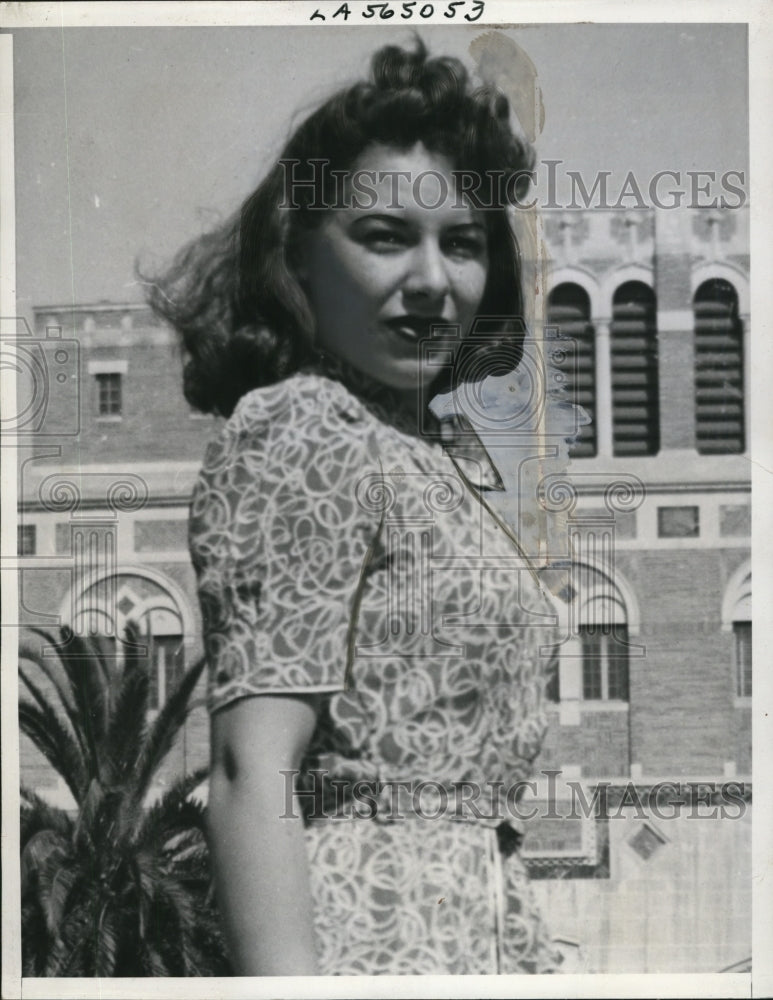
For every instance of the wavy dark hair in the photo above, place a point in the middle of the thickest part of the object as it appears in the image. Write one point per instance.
(233, 294)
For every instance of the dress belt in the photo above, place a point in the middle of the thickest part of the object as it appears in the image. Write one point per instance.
(385, 809)
(398, 800)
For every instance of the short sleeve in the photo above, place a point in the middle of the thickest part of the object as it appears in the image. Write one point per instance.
(279, 539)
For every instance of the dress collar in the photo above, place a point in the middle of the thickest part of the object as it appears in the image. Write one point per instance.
(387, 404)
(435, 424)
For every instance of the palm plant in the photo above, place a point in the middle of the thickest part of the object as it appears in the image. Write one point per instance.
(115, 888)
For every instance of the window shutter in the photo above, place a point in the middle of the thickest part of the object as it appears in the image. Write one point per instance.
(633, 346)
(719, 403)
(568, 313)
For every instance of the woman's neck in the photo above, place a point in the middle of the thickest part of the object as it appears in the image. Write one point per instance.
(405, 409)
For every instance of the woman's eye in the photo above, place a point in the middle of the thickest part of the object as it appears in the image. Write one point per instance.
(466, 246)
(383, 239)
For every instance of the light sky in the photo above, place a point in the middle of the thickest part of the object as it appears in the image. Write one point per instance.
(131, 140)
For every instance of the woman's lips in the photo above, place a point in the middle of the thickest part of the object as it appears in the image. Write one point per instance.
(415, 328)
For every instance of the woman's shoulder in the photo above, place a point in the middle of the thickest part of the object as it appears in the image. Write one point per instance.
(296, 421)
(306, 397)
(304, 432)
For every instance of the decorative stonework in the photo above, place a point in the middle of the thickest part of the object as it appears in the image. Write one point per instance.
(706, 224)
(734, 520)
(568, 227)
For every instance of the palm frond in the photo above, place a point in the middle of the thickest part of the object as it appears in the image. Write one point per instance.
(179, 905)
(43, 726)
(126, 731)
(155, 964)
(35, 654)
(36, 814)
(144, 874)
(172, 811)
(106, 942)
(121, 889)
(96, 825)
(70, 724)
(57, 881)
(88, 712)
(106, 660)
(86, 663)
(69, 955)
(37, 853)
(36, 942)
(187, 847)
(90, 832)
(164, 730)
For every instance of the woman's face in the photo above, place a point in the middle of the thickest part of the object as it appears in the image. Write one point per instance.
(380, 273)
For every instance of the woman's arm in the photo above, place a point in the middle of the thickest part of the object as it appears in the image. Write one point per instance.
(260, 862)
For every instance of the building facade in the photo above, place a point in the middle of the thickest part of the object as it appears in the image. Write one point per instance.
(648, 322)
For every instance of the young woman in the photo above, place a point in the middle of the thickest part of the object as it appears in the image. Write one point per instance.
(375, 640)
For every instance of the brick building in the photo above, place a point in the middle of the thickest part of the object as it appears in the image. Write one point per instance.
(655, 672)
(650, 315)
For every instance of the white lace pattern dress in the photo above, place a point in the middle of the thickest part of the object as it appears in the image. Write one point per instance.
(338, 553)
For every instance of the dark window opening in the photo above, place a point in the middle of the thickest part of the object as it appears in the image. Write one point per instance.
(742, 633)
(604, 662)
(634, 362)
(573, 352)
(26, 539)
(166, 657)
(552, 690)
(168, 664)
(109, 394)
(679, 522)
(719, 382)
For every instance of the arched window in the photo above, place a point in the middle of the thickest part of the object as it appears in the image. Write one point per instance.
(719, 388)
(109, 604)
(737, 616)
(634, 361)
(593, 665)
(569, 313)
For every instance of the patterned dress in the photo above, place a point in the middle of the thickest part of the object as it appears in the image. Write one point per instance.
(338, 552)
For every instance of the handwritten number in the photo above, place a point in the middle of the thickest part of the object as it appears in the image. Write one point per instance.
(386, 11)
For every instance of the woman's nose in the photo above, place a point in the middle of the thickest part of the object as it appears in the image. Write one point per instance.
(426, 278)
